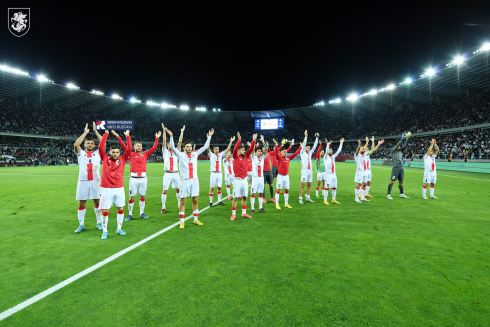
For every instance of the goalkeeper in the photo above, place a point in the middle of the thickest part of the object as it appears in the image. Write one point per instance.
(397, 160)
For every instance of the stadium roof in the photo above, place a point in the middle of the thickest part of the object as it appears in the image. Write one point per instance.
(451, 80)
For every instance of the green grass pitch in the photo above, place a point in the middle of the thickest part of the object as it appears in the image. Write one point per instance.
(406, 262)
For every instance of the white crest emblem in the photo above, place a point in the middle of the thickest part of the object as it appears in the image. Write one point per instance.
(19, 21)
(117, 162)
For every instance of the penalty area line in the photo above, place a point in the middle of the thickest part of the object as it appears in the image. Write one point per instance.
(51, 290)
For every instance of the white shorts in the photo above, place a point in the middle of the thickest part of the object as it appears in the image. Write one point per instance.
(320, 176)
(369, 175)
(430, 177)
(110, 196)
(257, 185)
(306, 176)
(189, 188)
(88, 190)
(171, 179)
(330, 180)
(250, 175)
(229, 179)
(216, 179)
(361, 177)
(137, 185)
(240, 187)
(282, 182)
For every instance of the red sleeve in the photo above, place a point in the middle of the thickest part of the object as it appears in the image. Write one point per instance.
(102, 146)
(291, 157)
(149, 152)
(129, 146)
(318, 152)
(276, 152)
(249, 151)
(125, 148)
(235, 150)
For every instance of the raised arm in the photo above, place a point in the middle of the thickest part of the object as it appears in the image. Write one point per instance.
(318, 152)
(393, 149)
(436, 148)
(229, 145)
(367, 143)
(127, 147)
(181, 138)
(99, 137)
(237, 145)
(373, 149)
(102, 145)
(339, 149)
(79, 140)
(314, 144)
(358, 146)
(304, 142)
(172, 145)
(327, 148)
(154, 147)
(201, 150)
(164, 144)
(252, 146)
(291, 157)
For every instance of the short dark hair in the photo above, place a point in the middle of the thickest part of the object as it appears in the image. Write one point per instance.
(257, 149)
(115, 147)
(89, 139)
(216, 146)
(187, 142)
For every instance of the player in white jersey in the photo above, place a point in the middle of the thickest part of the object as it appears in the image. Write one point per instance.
(171, 168)
(361, 177)
(216, 178)
(367, 155)
(430, 173)
(88, 186)
(258, 159)
(306, 168)
(189, 184)
(229, 172)
(331, 172)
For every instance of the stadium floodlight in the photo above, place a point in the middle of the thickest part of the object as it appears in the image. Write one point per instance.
(13, 70)
(42, 78)
(72, 86)
(408, 80)
(151, 103)
(459, 60)
(134, 100)
(214, 109)
(203, 109)
(352, 97)
(184, 107)
(373, 92)
(166, 105)
(390, 87)
(430, 72)
(486, 46)
(97, 92)
(219, 109)
(116, 97)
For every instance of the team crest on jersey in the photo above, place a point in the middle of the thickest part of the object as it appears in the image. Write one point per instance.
(117, 162)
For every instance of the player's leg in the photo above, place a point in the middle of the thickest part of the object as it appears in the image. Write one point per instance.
(333, 185)
(261, 189)
(132, 194)
(212, 184)
(286, 191)
(309, 180)
(98, 214)
(368, 185)
(432, 186)
(119, 201)
(219, 184)
(195, 211)
(244, 203)
(278, 187)
(81, 215)
(236, 194)
(326, 188)
(176, 186)
(166, 184)
(301, 191)
(394, 174)
(253, 190)
(143, 185)
(426, 182)
(401, 177)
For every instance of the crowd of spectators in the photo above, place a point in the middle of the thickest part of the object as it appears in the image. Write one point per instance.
(30, 119)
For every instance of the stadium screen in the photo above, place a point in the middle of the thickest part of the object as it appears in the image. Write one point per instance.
(269, 123)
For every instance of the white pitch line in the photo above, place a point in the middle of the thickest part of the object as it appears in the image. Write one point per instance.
(51, 290)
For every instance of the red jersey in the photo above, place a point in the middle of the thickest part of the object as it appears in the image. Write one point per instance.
(267, 162)
(284, 162)
(138, 160)
(273, 156)
(240, 163)
(112, 170)
(249, 164)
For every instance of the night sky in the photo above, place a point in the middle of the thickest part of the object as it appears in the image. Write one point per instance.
(240, 57)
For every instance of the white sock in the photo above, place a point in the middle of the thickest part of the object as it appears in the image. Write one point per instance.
(130, 207)
(181, 216)
(307, 197)
(301, 198)
(81, 215)
(210, 197)
(424, 191)
(120, 219)
(97, 214)
(252, 201)
(164, 199)
(367, 189)
(286, 196)
(105, 221)
(228, 190)
(357, 191)
(317, 191)
(233, 211)
(142, 207)
(178, 199)
(432, 191)
(261, 201)
(277, 198)
(325, 194)
(195, 213)
(334, 193)
(219, 196)
(362, 192)
(244, 210)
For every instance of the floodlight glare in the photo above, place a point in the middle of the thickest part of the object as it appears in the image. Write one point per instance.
(184, 107)
(97, 92)
(42, 78)
(72, 86)
(430, 72)
(134, 100)
(459, 60)
(390, 87)
(373, 92)
(486, 46)
(408, 80)
(352, 97)
(116, 97)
